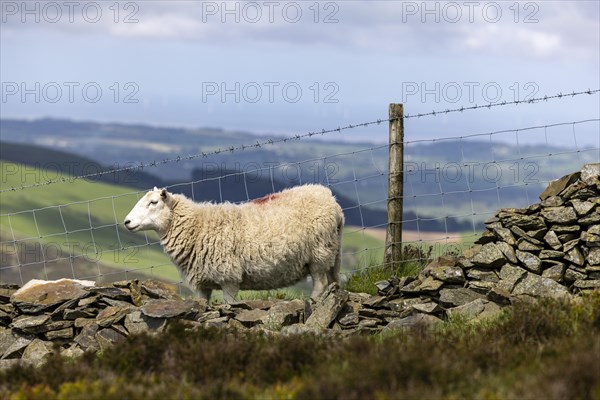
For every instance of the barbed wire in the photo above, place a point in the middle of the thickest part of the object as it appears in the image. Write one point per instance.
(231, 149)
(533, 100)
(527, 128)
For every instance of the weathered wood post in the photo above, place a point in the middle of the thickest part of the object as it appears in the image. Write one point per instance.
(393, 237)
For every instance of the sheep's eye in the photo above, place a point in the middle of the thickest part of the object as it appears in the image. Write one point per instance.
(154, 202)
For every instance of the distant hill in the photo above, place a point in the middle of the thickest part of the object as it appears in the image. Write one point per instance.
(64, 163)
(449, 184)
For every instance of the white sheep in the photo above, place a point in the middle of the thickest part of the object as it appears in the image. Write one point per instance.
(268, 243)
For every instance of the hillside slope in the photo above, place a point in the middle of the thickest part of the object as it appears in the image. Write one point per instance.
(66, 224)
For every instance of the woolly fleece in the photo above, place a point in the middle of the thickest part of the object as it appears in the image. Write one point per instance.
(268, 243)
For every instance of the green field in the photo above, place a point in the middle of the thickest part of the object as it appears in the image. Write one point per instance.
(67, 220)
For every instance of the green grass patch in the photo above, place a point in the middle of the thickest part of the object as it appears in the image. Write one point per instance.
(363, 281)
(414, 258)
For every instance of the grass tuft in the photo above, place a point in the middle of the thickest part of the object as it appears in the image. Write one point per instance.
(414, 259)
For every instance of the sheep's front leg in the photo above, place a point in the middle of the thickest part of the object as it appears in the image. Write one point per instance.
(319, 279)
(205, 294)
(230, 291)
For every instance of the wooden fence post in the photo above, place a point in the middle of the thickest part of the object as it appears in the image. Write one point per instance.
(393, 237)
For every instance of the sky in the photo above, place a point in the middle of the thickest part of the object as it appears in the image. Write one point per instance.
(287, 67)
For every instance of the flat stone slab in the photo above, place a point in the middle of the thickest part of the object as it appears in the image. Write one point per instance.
(552, 240)
(38, 295)
(573, 275)
(477, 309)
(283, 314)
(458, 296)
(37, 351)
(108, 337)
(413, 321)
(546, 254)
(374, 301)
(256, 304)
(574, 255)
(61, 334)
(112, 292)
(590, 174)
(587, 284)
(537, 286)
(508, 251)
(429, 284)
(557, 186)
(137, 323)
(561, 215)
(427, 308)
(483, 274)
(553, 201)
(526, 245)
(582, 207)
(159, 290)
(509, 276)
(111, 315)
(445, 273)
(530, 261)
(328, 306)
(6, 291)
(554, 272)
(351, 319)
(16, 347)
(489, 256)
(505, 235)
(525, 222)
(251, 317)
(594, 256)
(172, 308)
(30, 323)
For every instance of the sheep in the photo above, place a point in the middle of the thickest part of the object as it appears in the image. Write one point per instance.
(268, 243)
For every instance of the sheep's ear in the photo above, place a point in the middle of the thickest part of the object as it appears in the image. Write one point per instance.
(155, 188)
(166, 197)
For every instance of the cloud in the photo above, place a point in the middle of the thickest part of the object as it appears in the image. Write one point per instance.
(524, 29)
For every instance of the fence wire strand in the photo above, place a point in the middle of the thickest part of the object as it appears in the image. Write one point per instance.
(231, 149)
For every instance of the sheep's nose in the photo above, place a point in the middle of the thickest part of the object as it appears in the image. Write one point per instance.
(127, 221)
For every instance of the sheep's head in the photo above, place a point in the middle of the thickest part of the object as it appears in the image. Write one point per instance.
(152, 212)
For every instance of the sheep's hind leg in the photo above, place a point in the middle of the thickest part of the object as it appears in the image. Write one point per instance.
(230, 291)
(333, 274)
(319, 278)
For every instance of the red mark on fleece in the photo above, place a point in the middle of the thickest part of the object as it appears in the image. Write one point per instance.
(265, 199)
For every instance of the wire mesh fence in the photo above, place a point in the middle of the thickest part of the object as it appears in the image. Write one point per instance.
(451, 185)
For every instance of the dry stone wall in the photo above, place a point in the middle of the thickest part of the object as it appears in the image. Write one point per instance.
(549, 249)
